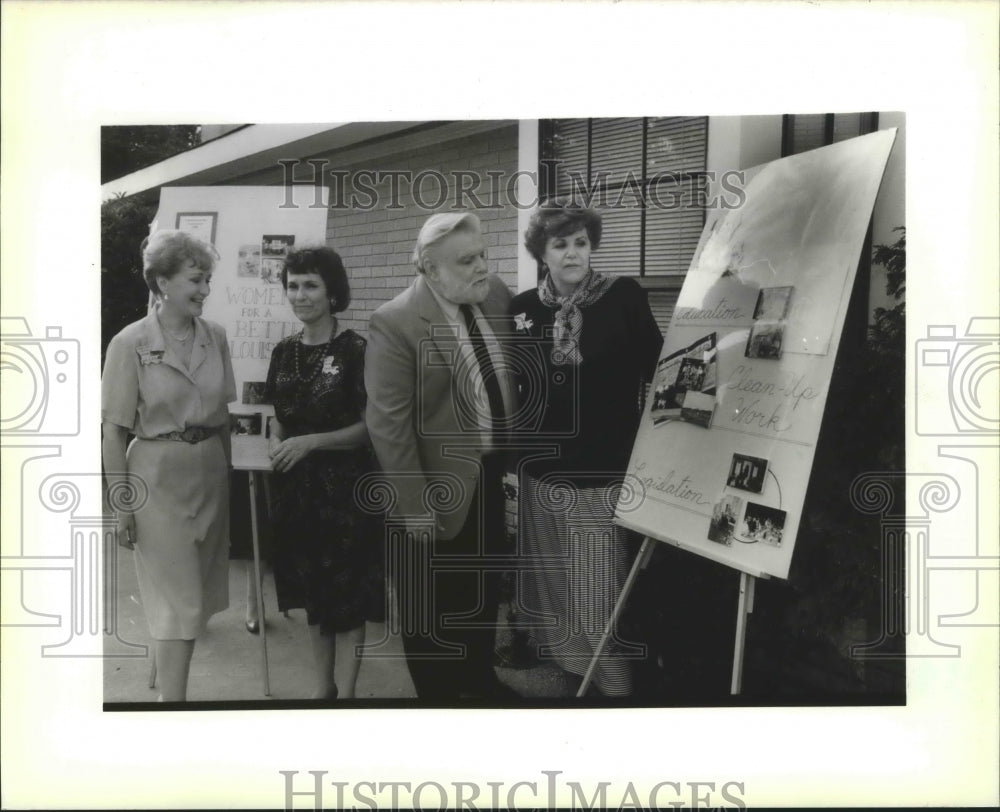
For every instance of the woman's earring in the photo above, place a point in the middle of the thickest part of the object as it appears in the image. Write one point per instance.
(166, 297)
(333, 303)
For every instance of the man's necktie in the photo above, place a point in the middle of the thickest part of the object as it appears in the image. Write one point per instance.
(486, 370)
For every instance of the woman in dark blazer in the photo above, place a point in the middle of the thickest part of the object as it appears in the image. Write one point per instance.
(597, 343)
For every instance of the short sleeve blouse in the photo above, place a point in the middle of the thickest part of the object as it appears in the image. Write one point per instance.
(148, 390)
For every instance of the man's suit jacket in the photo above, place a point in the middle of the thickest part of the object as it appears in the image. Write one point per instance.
(426, 443)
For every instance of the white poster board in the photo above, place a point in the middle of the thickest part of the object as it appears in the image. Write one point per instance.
(724, 451)
(252, 227)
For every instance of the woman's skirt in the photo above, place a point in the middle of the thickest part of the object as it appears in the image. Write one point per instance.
(182, 534)
(579, 562)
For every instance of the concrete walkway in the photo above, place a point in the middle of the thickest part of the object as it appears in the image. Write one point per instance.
(227, 664)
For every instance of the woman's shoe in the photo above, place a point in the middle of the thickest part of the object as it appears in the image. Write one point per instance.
(253, 626)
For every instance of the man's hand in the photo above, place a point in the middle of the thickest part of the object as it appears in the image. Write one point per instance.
(125, 530)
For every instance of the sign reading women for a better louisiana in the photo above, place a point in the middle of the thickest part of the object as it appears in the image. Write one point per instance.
(724, 451)
(253, 228)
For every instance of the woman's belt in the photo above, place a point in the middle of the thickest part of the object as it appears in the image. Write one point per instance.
(192, 434)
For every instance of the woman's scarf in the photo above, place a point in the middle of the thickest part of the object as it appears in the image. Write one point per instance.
(568, 318)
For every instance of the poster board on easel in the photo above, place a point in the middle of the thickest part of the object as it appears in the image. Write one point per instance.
(724, 451)
(252, 227)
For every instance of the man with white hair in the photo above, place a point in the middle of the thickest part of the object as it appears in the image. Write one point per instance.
(439, 398)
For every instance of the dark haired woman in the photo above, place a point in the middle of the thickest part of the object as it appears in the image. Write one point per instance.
(599, 343)
(328, 553)
(167, 379)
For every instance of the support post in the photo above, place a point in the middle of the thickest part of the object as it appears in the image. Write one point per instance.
(743, 610)
(260, 583)
(645, 552)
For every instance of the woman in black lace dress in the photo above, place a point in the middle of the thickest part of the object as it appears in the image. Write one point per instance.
(328, 553)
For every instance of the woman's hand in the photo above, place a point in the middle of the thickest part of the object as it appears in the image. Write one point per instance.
(285, 454)
(126, 530)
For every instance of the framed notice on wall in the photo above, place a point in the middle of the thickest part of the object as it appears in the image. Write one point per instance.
(200, 224)
(725, 448)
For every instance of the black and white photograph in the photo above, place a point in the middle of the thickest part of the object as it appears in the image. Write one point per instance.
(698, 408)
(249, 261)
(666, 392)
(701, 281)
(684, 385)
(747, 473)
(772, 304)
(726, 513)
(765, 340)
(254, 393)
(691, 374)
(270, 269)
(245, 425)
(761, 523)
(276, 245)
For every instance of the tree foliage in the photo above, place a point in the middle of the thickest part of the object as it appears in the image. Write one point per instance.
(125, 149)
(124, 295)
(125, 220)
(836, 581)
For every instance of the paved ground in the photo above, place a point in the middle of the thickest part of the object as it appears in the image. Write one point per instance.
(228, 667)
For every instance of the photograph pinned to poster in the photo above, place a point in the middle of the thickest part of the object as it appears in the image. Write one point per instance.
(253, 393)
(765, 340)
(698, 408)
(277, 245)
(761, 524)
(772, 303)
(274, 248)
(245, 425)
(270, 270)
(725, 517)
(684, 384)
(269, 426)
(200, 224)
(747, 473)
(248, 265)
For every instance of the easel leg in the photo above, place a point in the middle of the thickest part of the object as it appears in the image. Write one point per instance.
(745, 608)
(267, 508)
(645, 551)
(260, 585)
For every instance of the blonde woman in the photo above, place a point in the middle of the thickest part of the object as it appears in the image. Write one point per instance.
(167, 379)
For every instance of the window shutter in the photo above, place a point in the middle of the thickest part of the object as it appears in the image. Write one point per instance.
(672, 234)
(659, 160)
(846, 125)
(570, 149)
(616, 149)
(808, 132)
(621, 245)
(662, 302)
(676, 145)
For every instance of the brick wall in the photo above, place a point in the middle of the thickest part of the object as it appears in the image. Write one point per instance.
(377, 244)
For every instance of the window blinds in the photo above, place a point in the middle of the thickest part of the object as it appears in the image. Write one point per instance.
(646, 178)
